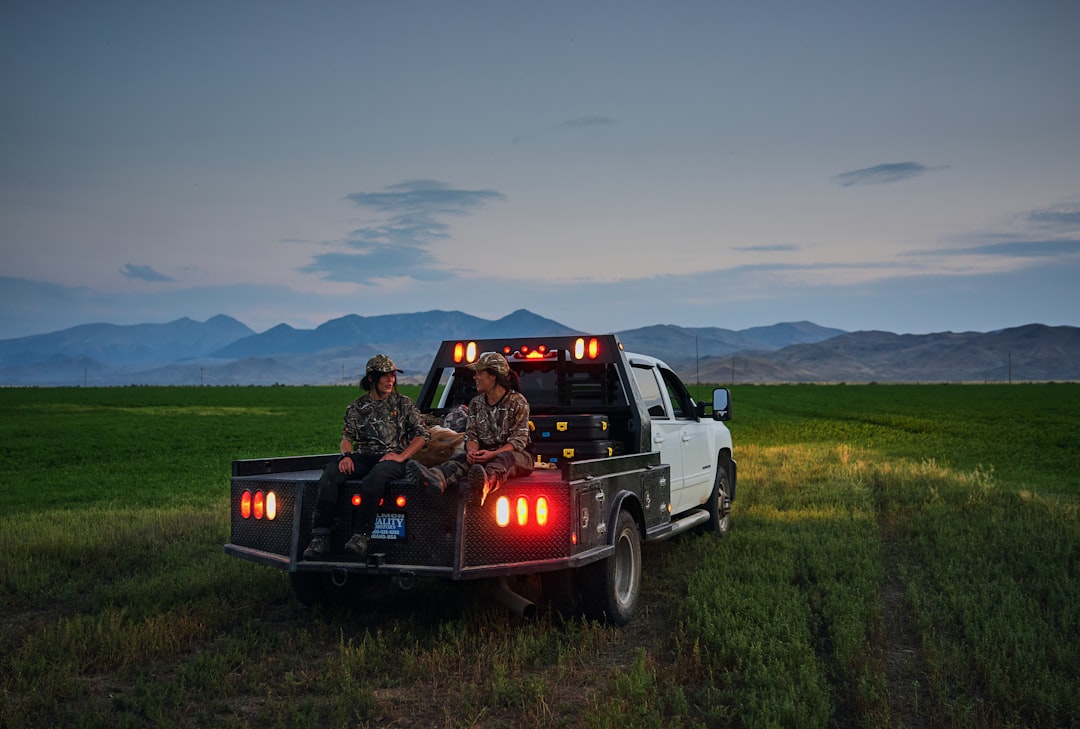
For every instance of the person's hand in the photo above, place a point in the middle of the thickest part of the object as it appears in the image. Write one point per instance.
(345, 465)
(393, 457)
(480, 456)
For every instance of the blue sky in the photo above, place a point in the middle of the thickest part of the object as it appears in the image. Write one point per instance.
(912, 167)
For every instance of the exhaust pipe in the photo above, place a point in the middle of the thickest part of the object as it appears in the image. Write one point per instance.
(514, 602)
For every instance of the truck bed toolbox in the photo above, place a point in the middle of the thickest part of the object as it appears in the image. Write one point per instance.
(569, 427)
(560, 451)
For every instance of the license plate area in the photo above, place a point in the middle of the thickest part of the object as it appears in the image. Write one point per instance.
(389, 526)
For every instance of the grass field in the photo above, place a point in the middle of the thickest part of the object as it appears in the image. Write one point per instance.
(899, 556)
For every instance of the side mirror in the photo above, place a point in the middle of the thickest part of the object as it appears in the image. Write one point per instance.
(721, 404)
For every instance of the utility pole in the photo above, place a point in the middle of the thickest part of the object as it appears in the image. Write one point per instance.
(697, 359)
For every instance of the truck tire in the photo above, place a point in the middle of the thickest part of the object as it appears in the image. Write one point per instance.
(611, 587)
(719, 505)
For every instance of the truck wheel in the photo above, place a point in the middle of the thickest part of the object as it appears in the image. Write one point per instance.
(610, 588)
(719, 506)
(308, 588)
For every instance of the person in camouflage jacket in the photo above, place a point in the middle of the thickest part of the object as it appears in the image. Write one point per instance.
(382, 430)
(497, 443)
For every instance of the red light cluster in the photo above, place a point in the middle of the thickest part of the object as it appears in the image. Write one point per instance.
(258, 505)
(399, 500)
(521, 512)
(584, 348)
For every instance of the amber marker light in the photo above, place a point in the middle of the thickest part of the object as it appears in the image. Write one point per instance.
(522, 511)
(459, 352)
(245, 505)
(259, 505)
(399, 502)
(356, 499)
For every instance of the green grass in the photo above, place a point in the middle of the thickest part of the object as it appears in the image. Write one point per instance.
(900, 555)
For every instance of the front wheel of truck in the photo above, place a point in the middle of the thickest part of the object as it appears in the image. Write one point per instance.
(611, 587)
(719, 505)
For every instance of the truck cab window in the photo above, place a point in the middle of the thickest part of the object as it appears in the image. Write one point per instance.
(650, 391)
(680, 398)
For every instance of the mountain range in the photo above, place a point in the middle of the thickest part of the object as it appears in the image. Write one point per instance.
(224, 351)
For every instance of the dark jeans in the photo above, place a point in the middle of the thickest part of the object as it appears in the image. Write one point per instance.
(373, 474)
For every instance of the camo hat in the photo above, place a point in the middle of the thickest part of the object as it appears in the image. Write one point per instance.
(381, 364)
(491, 361)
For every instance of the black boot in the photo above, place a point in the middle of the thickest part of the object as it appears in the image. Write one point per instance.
(320, 544)
(432, 479)
(357, 545)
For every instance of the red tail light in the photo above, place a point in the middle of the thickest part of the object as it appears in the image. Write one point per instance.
(521, 511)
(586, 348)
(542, 511)
(259, 505)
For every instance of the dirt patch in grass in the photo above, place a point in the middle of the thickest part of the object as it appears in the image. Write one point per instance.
(908, 696)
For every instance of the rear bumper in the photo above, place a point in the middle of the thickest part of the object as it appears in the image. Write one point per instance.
(443, 536)
(376, 564)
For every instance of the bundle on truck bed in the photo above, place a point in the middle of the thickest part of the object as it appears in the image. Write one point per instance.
(624, 454)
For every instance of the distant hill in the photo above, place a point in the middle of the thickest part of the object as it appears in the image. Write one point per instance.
(669, 341)
(428, 326)
(1034, 353)
(136, 345)
(223, 351)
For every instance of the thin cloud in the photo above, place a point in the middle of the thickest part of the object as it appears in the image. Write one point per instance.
(1065, 218)
(378, 263)
(410, 219)
(883, 174)
(423, 199)
(1015, 249)
(588, 121)
(143, 273)
(766, 249)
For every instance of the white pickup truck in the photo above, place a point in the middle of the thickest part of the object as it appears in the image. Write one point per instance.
(628, 458)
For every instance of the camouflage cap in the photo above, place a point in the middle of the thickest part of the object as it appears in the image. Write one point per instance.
(381, 364)
(491, 361)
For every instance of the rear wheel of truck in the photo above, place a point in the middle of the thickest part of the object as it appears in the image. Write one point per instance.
(719, 505)
(611, 587)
